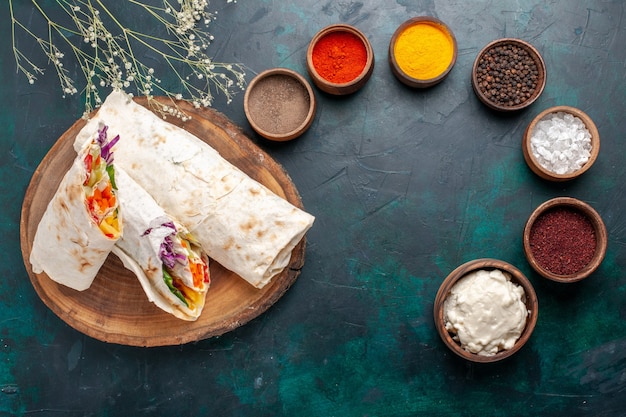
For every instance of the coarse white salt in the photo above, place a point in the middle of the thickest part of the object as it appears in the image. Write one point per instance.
(561, 143)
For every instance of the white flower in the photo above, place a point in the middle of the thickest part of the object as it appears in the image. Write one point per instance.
(111, 60)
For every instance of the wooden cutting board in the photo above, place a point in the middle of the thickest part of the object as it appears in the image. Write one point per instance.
(115, 309)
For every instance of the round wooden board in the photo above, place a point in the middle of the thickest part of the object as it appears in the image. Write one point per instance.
(115, 309)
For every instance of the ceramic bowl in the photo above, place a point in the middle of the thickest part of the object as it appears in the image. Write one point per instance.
(396, 68)
(279, 104)
(598, 227)
(517, 277)
(493, 87)
(532, 161)
(344, 87)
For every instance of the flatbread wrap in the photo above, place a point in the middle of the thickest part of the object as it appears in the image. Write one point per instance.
(168, 262)
(239, 222)
(82, 222)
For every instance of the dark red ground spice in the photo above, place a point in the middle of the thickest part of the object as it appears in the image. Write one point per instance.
(563, 240)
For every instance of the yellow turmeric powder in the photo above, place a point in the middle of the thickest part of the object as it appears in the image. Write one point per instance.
(424, 50)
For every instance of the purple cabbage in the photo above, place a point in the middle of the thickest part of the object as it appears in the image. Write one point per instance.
(171, 225)
(106, 145)
(167, 254)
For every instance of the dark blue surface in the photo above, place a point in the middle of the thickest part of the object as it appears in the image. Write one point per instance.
(405, 185)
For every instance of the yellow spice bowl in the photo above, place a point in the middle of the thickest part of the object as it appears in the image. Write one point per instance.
(422, 52)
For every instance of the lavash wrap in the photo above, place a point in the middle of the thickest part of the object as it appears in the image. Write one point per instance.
(68, 245)
(146, 227)
(239, 222)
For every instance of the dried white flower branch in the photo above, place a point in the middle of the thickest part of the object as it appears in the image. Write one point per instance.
(106, 51)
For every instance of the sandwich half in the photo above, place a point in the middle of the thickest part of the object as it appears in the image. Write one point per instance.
(170, 265)
(83, 221)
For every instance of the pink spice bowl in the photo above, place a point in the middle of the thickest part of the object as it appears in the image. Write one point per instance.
(340, 59)
(565, 240)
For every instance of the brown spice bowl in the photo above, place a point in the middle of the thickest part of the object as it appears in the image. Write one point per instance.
(279, 104)
(532, 161)
(396, 67)
(517, 277)
(599, 230)
(344, 87)
(484, 91)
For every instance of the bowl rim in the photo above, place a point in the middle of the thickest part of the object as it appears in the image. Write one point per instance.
(485, 264)
(307, 120)
(403, 76)
(598, 226)
(340, 27)
(539, 61)
(532, 161)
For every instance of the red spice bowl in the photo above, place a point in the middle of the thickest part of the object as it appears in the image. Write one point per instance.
(461, 314)
(565, 240)
(340, 59)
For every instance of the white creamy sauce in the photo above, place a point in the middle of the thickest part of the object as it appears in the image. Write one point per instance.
(485, 311)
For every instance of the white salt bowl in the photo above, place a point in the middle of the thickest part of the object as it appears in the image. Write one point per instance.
(533, 160)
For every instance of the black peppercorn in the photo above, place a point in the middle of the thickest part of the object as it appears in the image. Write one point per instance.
(507, 75)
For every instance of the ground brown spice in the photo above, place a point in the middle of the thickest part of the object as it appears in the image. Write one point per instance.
(279, 104)
(563, 240)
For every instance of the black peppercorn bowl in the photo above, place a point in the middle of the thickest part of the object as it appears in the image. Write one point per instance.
(599, 229)
(508, 74)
